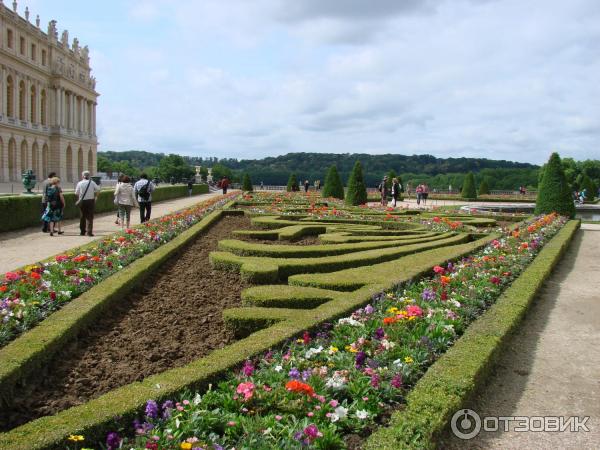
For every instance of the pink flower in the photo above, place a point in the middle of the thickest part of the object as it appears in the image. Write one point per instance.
(231, 423)
(246, 389)
(438, 269)
(333, 403)
(248, 369)
(11, 276)
(414, 311)
(278, 418)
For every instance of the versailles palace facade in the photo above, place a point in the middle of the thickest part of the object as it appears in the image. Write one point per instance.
(47, 101)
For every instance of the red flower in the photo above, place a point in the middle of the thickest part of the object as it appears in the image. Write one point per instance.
(495, 280)
(35, 275)
(306, 337)
(53, 295)
(444, 296)
(300, 387)
(438, 269)
(444, 279)
(389, 320)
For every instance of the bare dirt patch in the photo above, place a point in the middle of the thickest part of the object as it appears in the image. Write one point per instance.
(172, 320)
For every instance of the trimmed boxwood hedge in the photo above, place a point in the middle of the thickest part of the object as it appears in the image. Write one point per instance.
(452, 380)
(94, 418)
(24, 211)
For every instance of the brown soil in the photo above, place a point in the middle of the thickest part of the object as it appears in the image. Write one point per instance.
(172, 320)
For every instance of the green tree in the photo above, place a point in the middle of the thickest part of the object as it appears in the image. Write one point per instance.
(468, 189)
(292, 184)
(219, 171)
(247, 184)
(357, 191)
(126, 168)
(174, 166)
(333, 184)
(554, 193)
(105, 165)
(484, 189)
(590, 188)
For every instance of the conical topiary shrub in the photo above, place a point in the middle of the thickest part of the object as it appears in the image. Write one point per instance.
(391, 175)
(590, 188)
(292, 185)
(247, 183)
(357, 191)
(554, 193)
(468, 189)
(484, 189)
(333, 184)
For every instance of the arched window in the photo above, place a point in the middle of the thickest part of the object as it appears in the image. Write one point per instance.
(33, 109)
(10, 97)
(35, 161)
(69, 157)
(22, 104)
(43, 107)
(45, 169)
(79, 161)
(91, 166)
(12, 160)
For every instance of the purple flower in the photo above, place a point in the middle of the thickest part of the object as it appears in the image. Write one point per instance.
(294, 373)
(248, 368)
(428, 294)
(360, 359)
(373, 364)
(397, 381)
(312, 432)
(217, 447)
(167, 408)
(113, 441)
(369, 309)
(379, 333)
(306, 374)
(152, 409)
(375, 379)
(298, 435)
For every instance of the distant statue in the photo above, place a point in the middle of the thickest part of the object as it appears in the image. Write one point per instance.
(28, 180)
(76, 45)
(52, 32)
(37, 21)
(85, 53)
(27, 13)
(15, 6)
(65, 38)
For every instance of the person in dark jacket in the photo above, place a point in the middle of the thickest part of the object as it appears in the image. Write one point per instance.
(396, 190)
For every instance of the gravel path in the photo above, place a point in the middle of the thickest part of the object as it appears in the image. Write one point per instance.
(22, 247)
(552, 366)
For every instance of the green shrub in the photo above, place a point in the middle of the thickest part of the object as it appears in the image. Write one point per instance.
(333, 184)
(554, 193)
(247, 183)
(484, 188)
(590, 188)
(468, 189)
(357, 191)
(292, 184)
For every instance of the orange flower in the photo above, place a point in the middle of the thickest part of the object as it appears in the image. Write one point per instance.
(35, 275)
(444, 279)
(298, 386)
(389, 320)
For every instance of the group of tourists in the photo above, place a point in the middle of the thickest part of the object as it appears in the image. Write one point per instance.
(386, 188)
(422, 192)
(580, 196)
(126, 197)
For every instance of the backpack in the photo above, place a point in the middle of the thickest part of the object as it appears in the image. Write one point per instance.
(144, 193)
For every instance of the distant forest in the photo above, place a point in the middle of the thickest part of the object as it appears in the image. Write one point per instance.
(439, 173)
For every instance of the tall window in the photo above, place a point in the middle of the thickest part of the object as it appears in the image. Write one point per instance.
(43, 107)
(33, 102)
(22, 46)
(10, 97)
(33, 52)
(22, 100)
(10, 40)
(43, 57)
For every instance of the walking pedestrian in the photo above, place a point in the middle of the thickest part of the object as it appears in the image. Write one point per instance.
(383, 190)
(424, 193)
(224, 184)
(119, 181)
(125, 200)
(306, 186)
(45, 185)
(419, 192)
(190, 186)
(87, 192)
(396, 189)
(55, 204)
(143, 190)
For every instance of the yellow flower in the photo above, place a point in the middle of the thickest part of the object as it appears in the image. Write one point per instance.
(186, 445)
(333, 349)
(412, 318)
(300, 341)
(408, 360)
(30, 268)
(350, 349)
(393, 310)
(76, 437)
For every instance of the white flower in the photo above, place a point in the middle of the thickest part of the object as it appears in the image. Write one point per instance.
(66, 293)
(313, 351)
(455, 303)
(387, 344)
(335, 382)
(197, 399)
(178, 422)
(362, 414)
(350, 321)
(334, 417)
(278, 368)
(398, 363)
(341, 412)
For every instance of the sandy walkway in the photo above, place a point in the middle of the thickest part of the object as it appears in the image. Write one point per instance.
(18, 248)
(552, 367)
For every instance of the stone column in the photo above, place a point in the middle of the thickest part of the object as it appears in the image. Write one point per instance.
(3, 92)
(38, 104)
(94, 119)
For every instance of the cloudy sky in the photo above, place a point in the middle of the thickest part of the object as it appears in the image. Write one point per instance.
(503, 79)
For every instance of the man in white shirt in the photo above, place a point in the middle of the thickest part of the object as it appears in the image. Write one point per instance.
(86, 192)
(143, 190)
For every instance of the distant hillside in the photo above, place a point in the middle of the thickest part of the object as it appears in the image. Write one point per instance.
(438, 172)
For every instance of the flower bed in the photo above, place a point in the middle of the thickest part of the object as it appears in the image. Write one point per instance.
(31, 294)
(341, 381)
